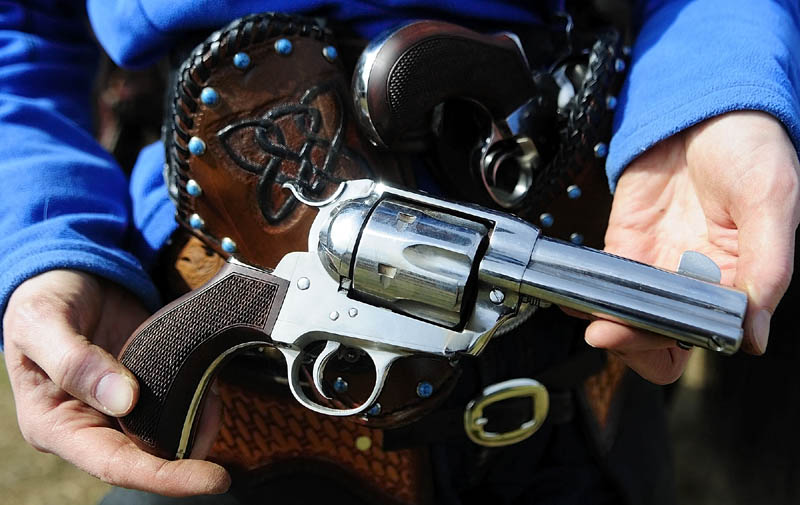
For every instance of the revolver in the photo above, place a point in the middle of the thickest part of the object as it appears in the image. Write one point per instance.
(393, 273)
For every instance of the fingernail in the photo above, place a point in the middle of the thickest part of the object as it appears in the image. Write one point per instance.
(761, 330)
(115, 394)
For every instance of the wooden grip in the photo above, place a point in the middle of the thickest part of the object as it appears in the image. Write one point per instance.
(175, 352)
(427, 63)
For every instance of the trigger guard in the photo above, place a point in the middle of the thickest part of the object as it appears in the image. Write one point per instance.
(381, 359)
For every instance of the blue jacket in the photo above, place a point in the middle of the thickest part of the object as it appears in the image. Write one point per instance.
(64, 203)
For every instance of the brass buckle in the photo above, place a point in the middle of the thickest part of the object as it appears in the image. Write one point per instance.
(474, 420)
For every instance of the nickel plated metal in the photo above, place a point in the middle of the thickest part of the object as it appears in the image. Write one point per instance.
(418, 274)
(361, 77)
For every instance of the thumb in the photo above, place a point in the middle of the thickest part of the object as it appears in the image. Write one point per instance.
(764, 269)
(84, 370)
(41, 323)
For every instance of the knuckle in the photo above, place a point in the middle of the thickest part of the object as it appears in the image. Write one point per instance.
(109, 472)
(785, 274)
(773, 286)
(74, 367)
(667, 377)
(774, 182)
(672, 369)
(26, 310)
(784, 186)
(661, 369)
(107, 475)
(164, 472)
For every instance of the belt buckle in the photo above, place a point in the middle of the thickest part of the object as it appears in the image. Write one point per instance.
(475, 421)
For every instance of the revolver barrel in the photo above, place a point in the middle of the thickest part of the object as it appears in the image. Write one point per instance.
(684, 307)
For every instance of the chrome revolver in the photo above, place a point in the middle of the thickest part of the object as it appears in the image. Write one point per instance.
(391, 273)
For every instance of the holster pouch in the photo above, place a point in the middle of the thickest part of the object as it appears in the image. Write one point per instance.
(261, 105)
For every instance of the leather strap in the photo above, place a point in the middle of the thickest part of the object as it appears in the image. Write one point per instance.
(448, 423)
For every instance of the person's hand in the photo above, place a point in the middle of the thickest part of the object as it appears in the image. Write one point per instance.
(727, 188)
(62, 330)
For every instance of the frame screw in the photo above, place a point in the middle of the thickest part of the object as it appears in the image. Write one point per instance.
(496, 296)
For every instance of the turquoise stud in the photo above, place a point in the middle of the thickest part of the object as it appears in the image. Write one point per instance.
(283, 47)
(209, 97)
(197, 146)
(241, 60)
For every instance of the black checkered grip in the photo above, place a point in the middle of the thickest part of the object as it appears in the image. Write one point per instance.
(172, 350)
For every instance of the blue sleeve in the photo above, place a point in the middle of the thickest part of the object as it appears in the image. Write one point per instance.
(695, 59)
(63, 200)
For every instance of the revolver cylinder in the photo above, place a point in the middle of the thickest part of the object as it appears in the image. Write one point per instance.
(418, 261)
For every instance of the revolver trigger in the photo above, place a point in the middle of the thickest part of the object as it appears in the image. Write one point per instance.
(319, 366)
(699, 266)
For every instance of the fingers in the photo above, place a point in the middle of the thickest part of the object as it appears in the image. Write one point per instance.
(655, 358)
(62, 383)
(66, 427)
(42, 324)
(746, 161)
(764, 269)
(767, 228)
(86, 372)
(112, 457)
